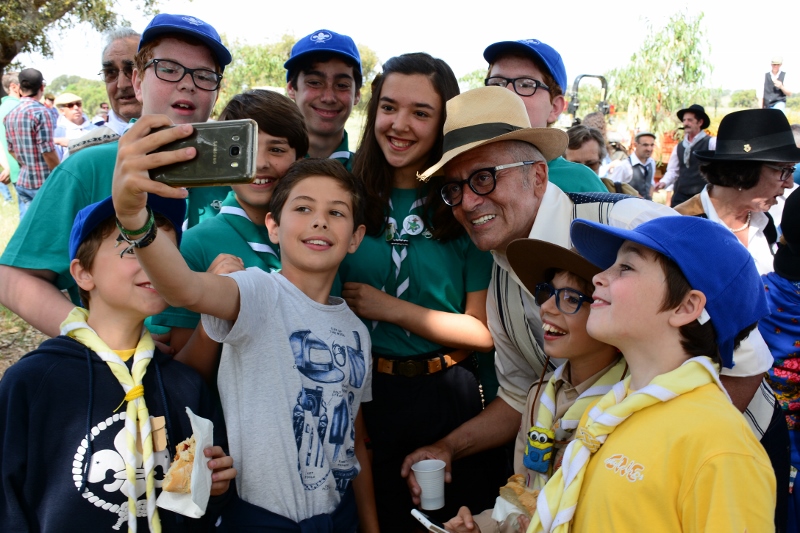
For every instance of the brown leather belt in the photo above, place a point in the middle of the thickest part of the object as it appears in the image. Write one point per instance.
(421, 367)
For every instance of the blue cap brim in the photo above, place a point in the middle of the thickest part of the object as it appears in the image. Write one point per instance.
(93, 215)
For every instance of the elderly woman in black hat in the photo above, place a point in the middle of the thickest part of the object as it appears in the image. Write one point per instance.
(751, 167)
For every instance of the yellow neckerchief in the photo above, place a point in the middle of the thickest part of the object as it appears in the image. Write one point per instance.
(545, 417)
(556, 503)
(137, 417)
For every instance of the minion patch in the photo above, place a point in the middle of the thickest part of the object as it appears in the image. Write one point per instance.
(539, 449)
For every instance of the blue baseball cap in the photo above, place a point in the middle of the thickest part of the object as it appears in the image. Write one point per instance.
(711, 258)
(531, 47)
(323, 41)
(93, 215)
(164, 24)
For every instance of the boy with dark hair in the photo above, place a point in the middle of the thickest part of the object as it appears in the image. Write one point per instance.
(324, 77)
(75, 465)
(665, 450)
(295, 359)
(240, 228)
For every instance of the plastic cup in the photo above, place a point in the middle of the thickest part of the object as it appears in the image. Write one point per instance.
(430, 477)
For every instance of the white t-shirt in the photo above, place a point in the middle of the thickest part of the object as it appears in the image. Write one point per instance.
(292, 377)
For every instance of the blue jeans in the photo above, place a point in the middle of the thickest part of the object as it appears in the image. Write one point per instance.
(5, 192)
(25, 198)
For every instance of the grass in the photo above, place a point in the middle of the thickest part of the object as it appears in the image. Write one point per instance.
(17, 337)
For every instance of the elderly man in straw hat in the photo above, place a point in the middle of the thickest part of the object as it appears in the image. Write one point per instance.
(496, 181)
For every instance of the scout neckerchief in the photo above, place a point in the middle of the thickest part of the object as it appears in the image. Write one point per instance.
(137, 418)
(397, 234)
(255, 239)
(556, 503)
(539, 453)
(687, 145)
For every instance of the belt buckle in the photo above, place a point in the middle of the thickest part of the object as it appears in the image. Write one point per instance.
(409, 369)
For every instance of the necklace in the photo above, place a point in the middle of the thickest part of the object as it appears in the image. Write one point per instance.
(746, 225)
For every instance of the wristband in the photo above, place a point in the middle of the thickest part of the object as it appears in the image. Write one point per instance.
(147, 225)
(142, 242)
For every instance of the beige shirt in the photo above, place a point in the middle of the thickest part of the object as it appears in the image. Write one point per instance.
(566, 395)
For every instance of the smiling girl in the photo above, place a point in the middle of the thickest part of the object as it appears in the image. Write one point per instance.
(419, 284)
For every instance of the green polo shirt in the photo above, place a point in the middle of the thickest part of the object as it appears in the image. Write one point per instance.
(573, 177)
(8, 103)
(440, 276)
(343, 154)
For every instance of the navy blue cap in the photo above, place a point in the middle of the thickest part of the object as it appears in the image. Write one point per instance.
(93, 215)
(711, 258)
(323, 41)
(531, 47)
(164, 24)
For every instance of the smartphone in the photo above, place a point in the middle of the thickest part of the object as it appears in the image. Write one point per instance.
(226, 154)
(429, 523)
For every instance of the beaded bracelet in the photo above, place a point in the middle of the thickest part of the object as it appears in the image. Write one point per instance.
(149, 224)
(143, 241)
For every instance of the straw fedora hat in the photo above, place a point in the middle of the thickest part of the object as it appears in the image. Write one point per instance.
(489, 115)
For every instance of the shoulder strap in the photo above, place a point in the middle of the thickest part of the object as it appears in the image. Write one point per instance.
(770, 231)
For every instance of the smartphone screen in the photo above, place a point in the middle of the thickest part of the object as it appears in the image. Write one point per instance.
(226, 154)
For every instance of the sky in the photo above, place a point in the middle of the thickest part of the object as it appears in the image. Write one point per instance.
(592, 37)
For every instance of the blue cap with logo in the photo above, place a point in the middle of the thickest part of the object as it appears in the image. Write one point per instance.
(164, 23)
(323, 41)
(531, 47)
(711, 258)
(93, 215)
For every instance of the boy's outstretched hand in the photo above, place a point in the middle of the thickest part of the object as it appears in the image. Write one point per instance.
(131, 178)
(462, 522)
(222, 465)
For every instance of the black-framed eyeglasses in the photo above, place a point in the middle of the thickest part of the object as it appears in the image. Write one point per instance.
(568, 300)
(522, 86)
(110, 74)
(173, 72)
(482, 182)
(786, 172)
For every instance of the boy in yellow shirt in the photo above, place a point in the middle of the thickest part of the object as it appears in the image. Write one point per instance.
(665, 450)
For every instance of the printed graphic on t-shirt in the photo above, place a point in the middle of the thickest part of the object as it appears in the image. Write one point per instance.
(106, 486)
(324, 415)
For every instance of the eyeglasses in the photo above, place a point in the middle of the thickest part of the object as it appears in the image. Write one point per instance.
(72, 104)
(173, 72)
(786, 172)
(110, 74)
(482, 182)
(568, 301)
(522, 86)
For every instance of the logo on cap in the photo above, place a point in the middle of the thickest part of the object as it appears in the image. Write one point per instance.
(532, 41)
(321, 37)
(747, 148)
(192, 20)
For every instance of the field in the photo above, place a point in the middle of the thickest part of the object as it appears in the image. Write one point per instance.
(16, 337)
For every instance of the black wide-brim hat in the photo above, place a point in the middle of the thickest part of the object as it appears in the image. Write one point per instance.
(754, 135)
(698, 111)
(787, 258)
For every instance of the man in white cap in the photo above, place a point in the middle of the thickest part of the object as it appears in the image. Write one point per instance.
(496, 181)
(72, 122)
(774, 92)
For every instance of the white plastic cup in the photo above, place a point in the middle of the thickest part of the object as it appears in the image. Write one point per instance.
(430, 478)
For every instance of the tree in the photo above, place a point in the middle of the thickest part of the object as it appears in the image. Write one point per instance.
(472, 80)
(744, 99)
(665, 75)
(24, 23)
